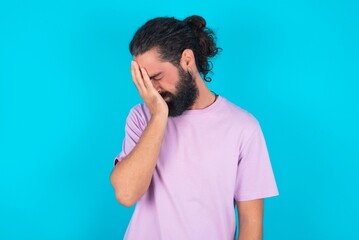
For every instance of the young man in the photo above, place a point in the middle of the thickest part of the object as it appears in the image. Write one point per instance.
(189, 155)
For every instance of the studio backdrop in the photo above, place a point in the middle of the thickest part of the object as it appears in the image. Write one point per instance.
(66, 89)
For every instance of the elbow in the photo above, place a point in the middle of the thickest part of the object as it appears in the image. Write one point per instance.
(125, 201)
(122, 196)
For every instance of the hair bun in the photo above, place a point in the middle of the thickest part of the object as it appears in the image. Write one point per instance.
(195, 22)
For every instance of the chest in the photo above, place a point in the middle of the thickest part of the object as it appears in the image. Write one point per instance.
(199, 155)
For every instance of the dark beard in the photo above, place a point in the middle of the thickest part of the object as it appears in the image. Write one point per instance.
(186, 94)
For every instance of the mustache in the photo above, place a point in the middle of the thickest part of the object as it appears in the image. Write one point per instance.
(166, 94)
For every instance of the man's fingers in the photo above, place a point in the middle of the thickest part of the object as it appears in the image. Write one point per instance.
(133, 76)
(146, 79)
(137, 77)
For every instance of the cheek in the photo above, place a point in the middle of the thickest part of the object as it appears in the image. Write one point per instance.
(171, 82)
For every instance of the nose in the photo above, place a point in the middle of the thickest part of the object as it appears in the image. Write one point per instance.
(156, 85)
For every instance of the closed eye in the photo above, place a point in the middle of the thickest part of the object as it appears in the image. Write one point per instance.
(156, 79)
(156, 76)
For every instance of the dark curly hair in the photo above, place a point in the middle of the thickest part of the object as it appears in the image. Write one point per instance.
(172, 36)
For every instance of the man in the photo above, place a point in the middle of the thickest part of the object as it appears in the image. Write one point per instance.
(189, 155)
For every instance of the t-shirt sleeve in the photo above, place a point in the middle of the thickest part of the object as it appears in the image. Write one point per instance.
(135, 123)
(255, 178)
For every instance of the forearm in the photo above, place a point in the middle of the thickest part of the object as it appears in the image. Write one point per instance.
(251, 231)
(132, 176)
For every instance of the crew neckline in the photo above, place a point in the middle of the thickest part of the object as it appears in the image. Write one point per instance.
(201, 111)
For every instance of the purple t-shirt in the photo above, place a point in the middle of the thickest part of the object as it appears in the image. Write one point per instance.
(209, 159)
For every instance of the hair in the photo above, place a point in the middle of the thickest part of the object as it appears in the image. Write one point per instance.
(172, 36)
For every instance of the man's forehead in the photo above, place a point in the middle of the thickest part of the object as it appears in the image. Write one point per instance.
(152, 62)
(148, 59)
(151, 55)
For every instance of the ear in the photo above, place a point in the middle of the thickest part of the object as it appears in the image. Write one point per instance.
(187, 59)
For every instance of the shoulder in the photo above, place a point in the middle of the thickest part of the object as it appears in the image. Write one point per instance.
(244, 123)
(238, 115)
(139, 115)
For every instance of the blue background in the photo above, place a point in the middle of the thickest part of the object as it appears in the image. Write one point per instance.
(66, 89)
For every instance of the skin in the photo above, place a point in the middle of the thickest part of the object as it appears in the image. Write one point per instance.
(131, 177)
(250, 214)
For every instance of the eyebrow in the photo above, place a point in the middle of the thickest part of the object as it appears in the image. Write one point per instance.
(155, 75)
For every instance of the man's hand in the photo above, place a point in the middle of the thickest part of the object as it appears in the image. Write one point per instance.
(148, 93)
(132, 176)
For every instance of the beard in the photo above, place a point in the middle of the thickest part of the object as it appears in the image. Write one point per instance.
(185, 96)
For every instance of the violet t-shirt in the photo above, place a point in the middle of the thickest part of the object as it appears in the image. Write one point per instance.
(209, 159)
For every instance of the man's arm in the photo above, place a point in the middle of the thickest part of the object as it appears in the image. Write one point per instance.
(250, 215)
(132, 176)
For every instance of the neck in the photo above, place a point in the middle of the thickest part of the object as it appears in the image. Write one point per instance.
(205, 96)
